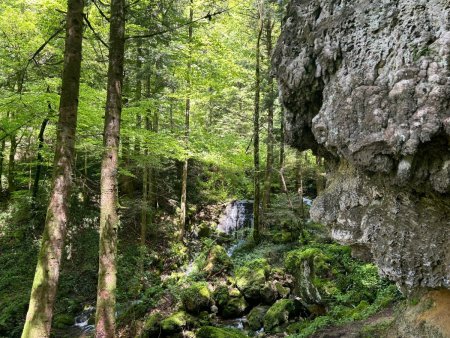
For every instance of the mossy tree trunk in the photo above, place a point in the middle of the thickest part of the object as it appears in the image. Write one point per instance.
(184, 176)
(12, 163)
(256, 198)
(270, 110)
(43, 292)
(109, 218)
(2, 156)
(40, 159)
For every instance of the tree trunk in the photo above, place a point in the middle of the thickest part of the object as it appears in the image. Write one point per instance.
(39, 158)
(270, 109)
(256, 220)
(12, 163)
(2, 149)
(109, 218)
(183, 206)
(43, 292)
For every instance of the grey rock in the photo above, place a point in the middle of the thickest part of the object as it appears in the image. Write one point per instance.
(366, 84)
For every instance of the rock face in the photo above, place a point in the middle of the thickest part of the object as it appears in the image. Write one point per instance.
(366, 84)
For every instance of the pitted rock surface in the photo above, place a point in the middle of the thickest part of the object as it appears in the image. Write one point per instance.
(366, 84)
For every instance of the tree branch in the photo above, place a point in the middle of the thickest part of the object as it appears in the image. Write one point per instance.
(93, 31)
(208, 16)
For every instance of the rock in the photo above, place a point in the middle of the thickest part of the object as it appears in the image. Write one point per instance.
(282, 291)
(175, 322)
(278, 314)
(215, 332)
(425, 316)
(214, 309)
(256, 317)
(301, 263)
(217, 261)
(269, 293)
(366, 85)
(234, 308)
(61, 321)
(231, 303)
(152, 324)
(196, 297)
(251, 278)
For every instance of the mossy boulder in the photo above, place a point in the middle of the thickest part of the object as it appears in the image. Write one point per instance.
(217, 261)
(176, 322)
(216, 332)
(304, 264)
(251, 278)
(196, 297)
(152, 324)
(61, 321)
(256, 317)
(221, 296)
(234, 308)
(230, 302)
(278, 314)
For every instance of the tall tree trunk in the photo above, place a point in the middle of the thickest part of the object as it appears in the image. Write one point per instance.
(183, 206)
(256, 220)
(2, 156)
(145, 194)
(109, 218)
(12, 163)
(270, 110)
(43, 292)
(37, 175)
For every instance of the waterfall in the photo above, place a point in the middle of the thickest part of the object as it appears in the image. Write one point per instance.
(237, 215)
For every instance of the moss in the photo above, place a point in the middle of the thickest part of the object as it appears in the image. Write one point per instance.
(282, 291)
(197, 297)
(256, 317)
(234, 308)
(152, 324)
(176, 322)
(377, 329)
(221, 296)
(61, 321)
(278, 314)
(215, 332)
(251, 278)
(217, 261)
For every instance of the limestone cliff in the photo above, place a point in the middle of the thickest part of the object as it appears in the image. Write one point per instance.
(366, 84)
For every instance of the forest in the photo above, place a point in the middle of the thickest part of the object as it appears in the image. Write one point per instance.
(146, 187)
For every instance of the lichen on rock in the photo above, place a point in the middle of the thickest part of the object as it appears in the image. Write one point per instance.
(367, 86)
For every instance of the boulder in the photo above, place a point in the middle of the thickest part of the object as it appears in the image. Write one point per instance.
(278, 314)
(251, 278)
(196, 297)
(256, 317)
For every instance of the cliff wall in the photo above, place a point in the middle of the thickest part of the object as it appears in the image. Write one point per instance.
(366, 84)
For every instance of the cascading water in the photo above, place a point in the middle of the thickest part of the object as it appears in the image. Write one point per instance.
(238, 215)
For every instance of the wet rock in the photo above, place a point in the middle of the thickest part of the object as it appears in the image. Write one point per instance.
(367, 86)
(256, 317)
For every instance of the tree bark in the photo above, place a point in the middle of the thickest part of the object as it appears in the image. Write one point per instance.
(183, 205)
(256, 199)
(43, 292)
(12, 163)
(270, 110)
(109, 218)
(2, 156)
(37, 175)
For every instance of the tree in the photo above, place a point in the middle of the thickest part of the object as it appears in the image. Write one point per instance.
(43, 292)
(256, 199)
(109, 218)
(269, 25)
(184, 177)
